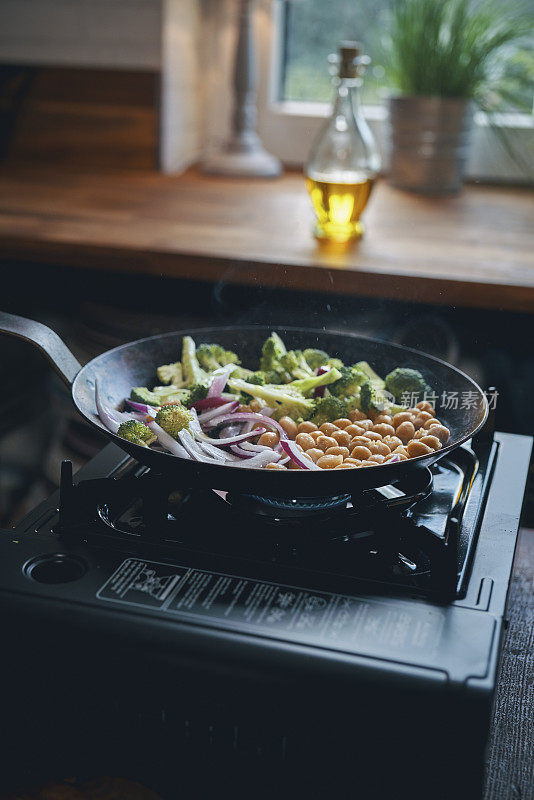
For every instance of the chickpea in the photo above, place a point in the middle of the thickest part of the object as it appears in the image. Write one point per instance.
(392, 442)
(373, 436)
(421, 418)
(342, 438)
(377, 458)
(383, 429)
(328, 428)
(420, 433)
(269, 439)
(383, 418)
(337, 451)
(417, 448)
(363, 440)
(424, 405)
(247, 409)
(345, 466)
(402, 416)
(329, 462)
(289, 425)
(379, 448)
(305, 441)
(354, 430)
(431, 441)
(275, 466)
(355, 461)
(430, 422)
(342, 423)
(367, 424)
(361, 452)
(356, 415)
(397, 456)
(324, 442)
(307, 427)
(315, 434)
(314, 453)
(400, 451)
(405, 431)
(256, 405)
(369, 464)
(441, 432)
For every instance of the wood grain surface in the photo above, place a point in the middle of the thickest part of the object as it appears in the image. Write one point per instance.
(510, 758)
(473, 250)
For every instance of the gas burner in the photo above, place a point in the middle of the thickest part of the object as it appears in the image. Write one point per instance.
(314, 511)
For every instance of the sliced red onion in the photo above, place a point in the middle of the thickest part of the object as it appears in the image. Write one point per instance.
(297, 455)
(217, 452)
(320, 390)
(166, 441)
(393, 460)
(242, 437)
(260, 460)
(239, 451)
(216, 412)
(266, 412)
(142, 407)
(258, 448)
(232, 430)
(199, 434)
(247, 416)
(209, 402)
(220, 379)
(192, 447)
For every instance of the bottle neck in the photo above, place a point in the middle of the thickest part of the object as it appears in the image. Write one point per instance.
(346, 98)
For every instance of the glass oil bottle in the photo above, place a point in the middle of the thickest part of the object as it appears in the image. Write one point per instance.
(344, 160)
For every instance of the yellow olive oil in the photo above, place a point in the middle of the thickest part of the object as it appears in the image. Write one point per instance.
(339, 200)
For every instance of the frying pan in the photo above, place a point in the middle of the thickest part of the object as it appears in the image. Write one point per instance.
(134, 364)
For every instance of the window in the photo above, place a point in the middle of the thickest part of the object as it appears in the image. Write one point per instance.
(296, 86)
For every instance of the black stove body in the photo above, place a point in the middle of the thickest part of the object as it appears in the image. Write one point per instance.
(200, 642)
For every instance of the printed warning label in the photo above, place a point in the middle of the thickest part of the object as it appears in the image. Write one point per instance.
(320, 618)
(145, 583)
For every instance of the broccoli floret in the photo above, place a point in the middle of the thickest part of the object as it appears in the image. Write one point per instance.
(307, 385)
(316, 358)
(371, 374)
(403, 381)
(159, 395)
(171, 373)
(335, 362)
(272, 351)
(197, 392)
(295, 363)
(287, 400)
(349, 383)
(192, 371)
(135, 432)
(213, 356)
(373, 400)
(328, 409)
(174, 419)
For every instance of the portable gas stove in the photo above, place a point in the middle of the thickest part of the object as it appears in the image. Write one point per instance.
(328, 647)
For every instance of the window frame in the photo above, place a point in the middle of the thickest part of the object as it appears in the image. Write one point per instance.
(288, 128)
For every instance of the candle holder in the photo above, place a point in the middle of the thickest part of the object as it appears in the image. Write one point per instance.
(243, 155)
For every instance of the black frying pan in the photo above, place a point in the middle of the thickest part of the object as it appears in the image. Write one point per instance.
(134, 364)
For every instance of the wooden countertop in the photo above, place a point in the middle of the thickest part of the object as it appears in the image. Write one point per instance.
(474, 250)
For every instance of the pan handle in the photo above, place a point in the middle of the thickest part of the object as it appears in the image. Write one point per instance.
(46, 340)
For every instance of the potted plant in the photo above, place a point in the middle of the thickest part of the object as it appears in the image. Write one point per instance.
(444, 57)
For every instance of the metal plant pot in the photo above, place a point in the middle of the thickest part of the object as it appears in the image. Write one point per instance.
(429, 139)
